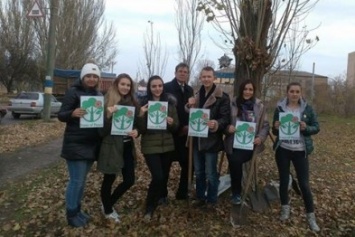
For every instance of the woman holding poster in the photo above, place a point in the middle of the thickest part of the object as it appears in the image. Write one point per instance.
(117, 149)
(293, 117)
(246, 110)
(158, 111)
(80, 145)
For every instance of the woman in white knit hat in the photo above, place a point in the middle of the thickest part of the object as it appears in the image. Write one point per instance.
(80, 145)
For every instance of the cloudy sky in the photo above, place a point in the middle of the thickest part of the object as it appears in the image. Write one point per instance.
(336, 32)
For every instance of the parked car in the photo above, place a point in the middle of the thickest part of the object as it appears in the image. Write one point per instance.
(3, 112)
(31, 103)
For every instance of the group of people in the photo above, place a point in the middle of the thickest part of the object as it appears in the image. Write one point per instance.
(115, 154)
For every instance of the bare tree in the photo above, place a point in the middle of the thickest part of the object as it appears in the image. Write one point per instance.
(257, 30)
(189, 24)
(83, 34)
(17, 62)
(296, 43)
(340, 98)
(155, 59)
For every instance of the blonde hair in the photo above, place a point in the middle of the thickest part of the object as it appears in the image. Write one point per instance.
(113, 97)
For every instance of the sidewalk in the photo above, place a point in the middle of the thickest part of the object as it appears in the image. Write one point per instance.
(16, 164)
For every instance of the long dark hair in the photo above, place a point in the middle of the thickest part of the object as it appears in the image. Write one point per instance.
(240, 99)
(163, 96)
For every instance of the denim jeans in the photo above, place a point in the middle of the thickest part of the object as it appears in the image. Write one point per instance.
(108, 197)
(284, 157)
(78, 170)
(205, 165)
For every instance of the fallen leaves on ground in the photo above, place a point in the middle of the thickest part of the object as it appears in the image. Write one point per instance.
(28, 133)
(35, 207)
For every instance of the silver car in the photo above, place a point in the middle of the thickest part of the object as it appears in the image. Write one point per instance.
(31, 103)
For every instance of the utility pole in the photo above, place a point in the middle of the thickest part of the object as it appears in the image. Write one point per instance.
(48, 84)
(312, 91)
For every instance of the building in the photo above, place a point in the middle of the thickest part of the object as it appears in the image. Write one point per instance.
(275, 82)
(312, 84)
(350, 74)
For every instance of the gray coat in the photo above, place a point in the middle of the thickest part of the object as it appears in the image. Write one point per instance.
(262, 133)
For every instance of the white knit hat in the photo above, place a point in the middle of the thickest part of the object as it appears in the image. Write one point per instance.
(90, 68)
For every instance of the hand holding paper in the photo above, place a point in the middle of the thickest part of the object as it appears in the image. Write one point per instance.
(303, 125)
(169, 120)
(133, 133)
(143, 110)
(111, 109)
(78, 113)
(191, 102)
(257, 141)
(231, 129)
(212, 124)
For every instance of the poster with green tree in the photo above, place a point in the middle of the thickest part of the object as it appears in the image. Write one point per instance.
(289, 126)
(244, 135)
(94, 117)
(122, 120)
(157, 113)
(198, 119)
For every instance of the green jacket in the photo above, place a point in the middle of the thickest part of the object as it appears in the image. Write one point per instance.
(110, 159)
(307, 115)
(158, 141)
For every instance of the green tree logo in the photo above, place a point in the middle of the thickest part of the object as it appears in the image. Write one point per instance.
(157, 113)
(93, 109)
(245, 133)
(123, 118)
(289, 124)
(198, 121)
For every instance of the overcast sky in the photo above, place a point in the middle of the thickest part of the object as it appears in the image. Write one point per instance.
(336, 33)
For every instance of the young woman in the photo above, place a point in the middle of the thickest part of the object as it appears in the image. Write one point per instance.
(157, 145)
(117, 152)
(80, 145)
(250, 109)
(296, 151)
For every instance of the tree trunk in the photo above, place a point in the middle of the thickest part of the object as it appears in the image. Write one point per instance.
(250, 51)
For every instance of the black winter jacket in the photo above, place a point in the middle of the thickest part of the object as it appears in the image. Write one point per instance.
(174, 89)
(219, 104)
(78, 143)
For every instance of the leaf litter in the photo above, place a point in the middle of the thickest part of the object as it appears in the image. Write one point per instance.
(36, 207)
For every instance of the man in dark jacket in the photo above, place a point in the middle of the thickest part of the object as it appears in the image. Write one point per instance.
(206, 149)
(182, 92)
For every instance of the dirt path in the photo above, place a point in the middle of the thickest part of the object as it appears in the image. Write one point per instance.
(19, 163)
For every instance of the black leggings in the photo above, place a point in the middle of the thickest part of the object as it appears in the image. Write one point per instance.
(235, 163)
(159, 166)
(108, 197)
(300, 162)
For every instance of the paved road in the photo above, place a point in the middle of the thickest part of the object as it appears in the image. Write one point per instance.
(16, 164)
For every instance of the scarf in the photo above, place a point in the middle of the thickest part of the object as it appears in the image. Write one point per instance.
(203, 98)
(246, 107)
